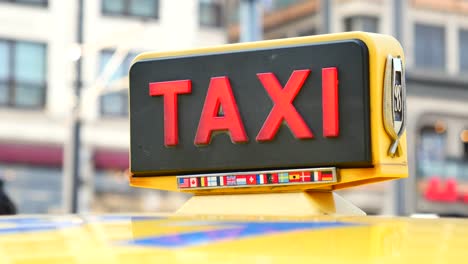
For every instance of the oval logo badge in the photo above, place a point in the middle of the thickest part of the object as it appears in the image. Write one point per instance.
(394, 103)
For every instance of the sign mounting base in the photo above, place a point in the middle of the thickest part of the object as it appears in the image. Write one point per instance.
(310, 203)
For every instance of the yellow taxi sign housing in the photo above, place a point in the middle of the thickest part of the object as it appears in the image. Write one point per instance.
(383, 163)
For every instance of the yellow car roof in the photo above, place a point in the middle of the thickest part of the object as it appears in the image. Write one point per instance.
(162, 238)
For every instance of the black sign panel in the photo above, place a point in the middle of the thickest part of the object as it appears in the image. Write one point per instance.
(350, 147)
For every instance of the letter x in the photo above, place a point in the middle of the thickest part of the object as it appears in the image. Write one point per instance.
(283, 109)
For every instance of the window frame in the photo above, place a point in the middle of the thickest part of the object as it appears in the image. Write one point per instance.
(124, 110)
(12, 83)
(463, 68)
(309, 31)
(349, 21)
(26, 172)
(44, 3)
(213, 5)
(126, 12)
(432, 66)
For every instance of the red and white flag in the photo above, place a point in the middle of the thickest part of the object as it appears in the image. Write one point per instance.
(222, 180)
(251, 179)
(305, 176)
(193, 182)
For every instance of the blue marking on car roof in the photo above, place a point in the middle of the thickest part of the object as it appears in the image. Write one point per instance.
(226, 231)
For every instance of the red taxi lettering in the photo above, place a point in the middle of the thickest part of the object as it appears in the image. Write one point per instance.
(220, 96)
(283, 109)
(330, 102)
(220, 111)
(169, 90)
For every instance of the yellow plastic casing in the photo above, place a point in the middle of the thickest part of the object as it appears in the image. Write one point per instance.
(384, 167)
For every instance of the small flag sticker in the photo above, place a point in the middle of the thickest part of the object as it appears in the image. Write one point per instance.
(316, 176)
(327, 175)
(231, 180)
(212, 181)
(204, 181)
(222, 180)
(283, 177)
(184, 182)
(272, 178)
(193, 182)
(305, 176)
(294, 177)
(251, 179)
(241, 180)
(262, 178)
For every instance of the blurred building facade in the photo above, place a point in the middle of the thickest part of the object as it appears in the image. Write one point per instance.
(38, 52)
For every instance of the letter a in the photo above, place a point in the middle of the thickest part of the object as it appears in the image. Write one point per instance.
(219, 96)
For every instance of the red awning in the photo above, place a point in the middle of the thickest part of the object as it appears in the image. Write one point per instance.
(111, 159)
(33, 154)
(52, 155)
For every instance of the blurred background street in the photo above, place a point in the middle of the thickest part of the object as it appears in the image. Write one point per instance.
(64, 98)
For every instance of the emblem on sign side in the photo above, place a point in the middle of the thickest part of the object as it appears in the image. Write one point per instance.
(394, 103)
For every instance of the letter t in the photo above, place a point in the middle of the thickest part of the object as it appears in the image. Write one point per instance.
(170, 90)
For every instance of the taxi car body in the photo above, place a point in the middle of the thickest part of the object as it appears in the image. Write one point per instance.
(215, 239)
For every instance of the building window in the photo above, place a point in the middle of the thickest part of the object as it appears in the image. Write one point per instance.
(134, 8)
(22, 74)
(42, 184)
(115, 103)
(362, 23)
(430, 150)
(429, 47)
(307, 32)
(43, 3)
(464, 139)
(270, 6)
(210, 13)
(442, 171)
(463, 39)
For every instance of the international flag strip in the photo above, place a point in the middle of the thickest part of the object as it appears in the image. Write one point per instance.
(184, 182)
(262, 178)
(257, 179)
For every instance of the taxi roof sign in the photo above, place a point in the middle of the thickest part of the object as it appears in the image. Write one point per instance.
(292, 104)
